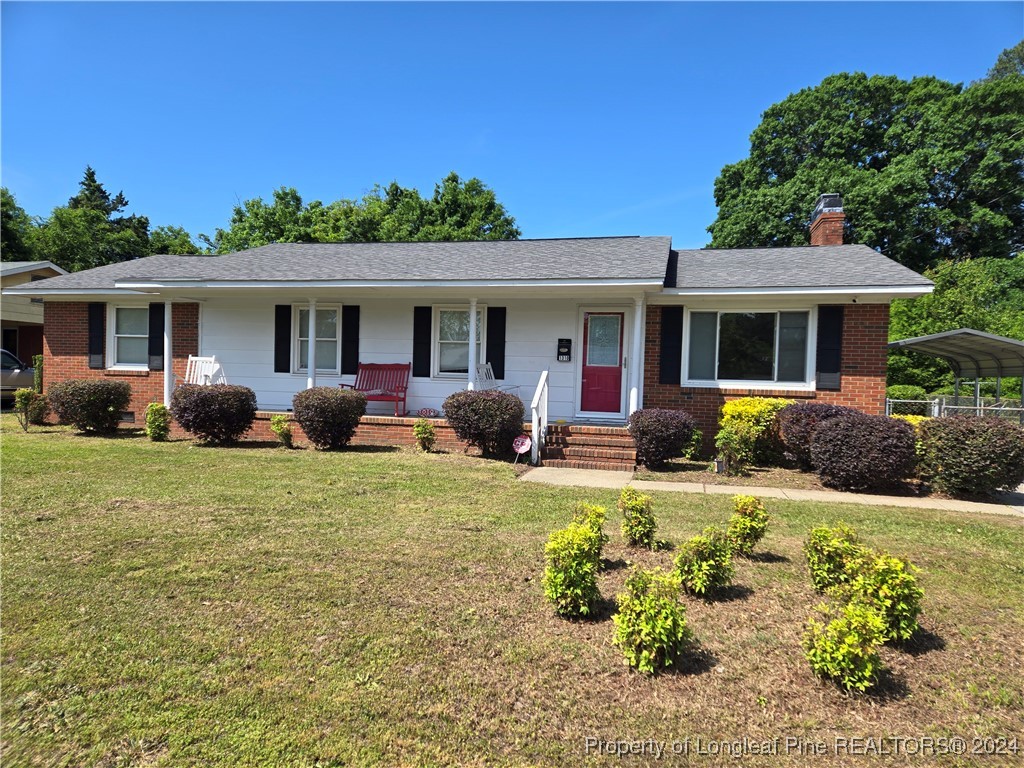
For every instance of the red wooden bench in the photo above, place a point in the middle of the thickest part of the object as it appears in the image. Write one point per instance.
(383, 382)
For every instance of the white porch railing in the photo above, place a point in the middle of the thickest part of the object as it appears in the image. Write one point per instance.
(539, 411)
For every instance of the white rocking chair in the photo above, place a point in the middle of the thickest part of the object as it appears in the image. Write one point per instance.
(485, 380)
(202, 370)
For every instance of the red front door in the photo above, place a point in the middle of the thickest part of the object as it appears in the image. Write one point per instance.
(602, 362)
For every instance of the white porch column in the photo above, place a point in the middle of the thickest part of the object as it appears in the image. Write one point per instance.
(471, 383)
(636, 356)
(168, 357)
(311, 352)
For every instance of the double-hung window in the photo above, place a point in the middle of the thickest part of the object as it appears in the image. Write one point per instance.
(327, 329)
(451, 340)
(129, 341)
(747, 348)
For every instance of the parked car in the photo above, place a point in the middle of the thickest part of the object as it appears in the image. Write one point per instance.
(14, 374)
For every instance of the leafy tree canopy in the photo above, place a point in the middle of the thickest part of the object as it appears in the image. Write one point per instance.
(16, 230)
(458, 210)
(928, 170)
(1010, 62)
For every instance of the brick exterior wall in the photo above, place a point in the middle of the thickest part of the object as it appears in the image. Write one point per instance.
(66, 351)
(864, 358)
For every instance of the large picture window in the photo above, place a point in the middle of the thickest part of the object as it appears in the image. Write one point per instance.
(130, 342)
(327, 330)
(748, 347)
(451, 340)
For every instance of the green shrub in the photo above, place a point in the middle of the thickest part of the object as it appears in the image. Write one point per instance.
(969, 455)
(570, 578)
(638, 521)
(888, 586)
(281, 426)
(735, 445)
(217, 414)
(30, 407)
(90, 405)
(843, 647)
(650, 625)
(909, 392)
(704, 562)
(797, 423)
(748, 524)
(38, 410)
(329, 415)
(37, 373)
(832, 555)
(758, 413)
(858, 452)
(593, 517)
(425, 434)
(661, 434)
(158, 422)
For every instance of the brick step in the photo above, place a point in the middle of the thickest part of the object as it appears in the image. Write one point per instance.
(590, 453)
(606, 441)
(577, 464)
(582, 429)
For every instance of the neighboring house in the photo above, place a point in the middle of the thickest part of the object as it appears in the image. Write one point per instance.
(618, 322)
(21, 317)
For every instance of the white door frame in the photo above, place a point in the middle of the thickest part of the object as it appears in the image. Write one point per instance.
(579, 413)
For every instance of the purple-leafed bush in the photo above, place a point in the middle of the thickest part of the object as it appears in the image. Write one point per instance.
(216, 414)
(797, 423)
(90, 405)
(488, 419)
(858, 452)
(964, 454)
(661, 434)
(329, 415)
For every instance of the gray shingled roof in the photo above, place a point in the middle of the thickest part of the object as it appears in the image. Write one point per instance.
(611, 258)
(812, 266)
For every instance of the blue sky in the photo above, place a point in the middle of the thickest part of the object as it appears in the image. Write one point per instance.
(586, 119)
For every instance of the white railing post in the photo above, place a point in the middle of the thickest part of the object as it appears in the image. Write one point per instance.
(311, 349)
(471, 373)
(539, 417)
(168, 354)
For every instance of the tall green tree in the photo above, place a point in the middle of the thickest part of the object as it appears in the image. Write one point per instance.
(172, 240)
(928, 170)
(1010, 62)
(458, 210)
(16, 230)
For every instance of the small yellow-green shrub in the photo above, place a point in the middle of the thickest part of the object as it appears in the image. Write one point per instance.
(831, 555)
(650, 625)
(281, 426)
(887, 584)
(570, 578)
(704, 563)
(748, 524)
(592, 516)
(843, 645)
(758, 414)
(158, 422)
(638, 523)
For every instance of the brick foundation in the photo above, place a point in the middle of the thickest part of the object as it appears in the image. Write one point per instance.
(864, 359)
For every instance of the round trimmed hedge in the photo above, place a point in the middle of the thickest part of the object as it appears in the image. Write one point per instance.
(217, 414)
(91, 405)
(858, 452)
(970, 455)
(660, 434)
(797, 423)
(489, 419)
(329, 415)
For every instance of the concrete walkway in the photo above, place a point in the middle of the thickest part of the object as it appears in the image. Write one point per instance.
(1009, 504)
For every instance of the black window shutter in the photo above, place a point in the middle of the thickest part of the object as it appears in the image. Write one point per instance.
(282, 338)
(421, 322)
(671, 359)
(97, 314)
(349, 339)
(496, 340)
(156, 336)
(830, 347)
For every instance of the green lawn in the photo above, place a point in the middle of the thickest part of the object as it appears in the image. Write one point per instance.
(165, 604)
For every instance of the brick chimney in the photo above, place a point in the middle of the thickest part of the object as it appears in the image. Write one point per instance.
(827, 220)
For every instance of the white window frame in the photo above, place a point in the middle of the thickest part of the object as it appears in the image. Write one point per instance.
(298, 329)
(112, 336)
(435, 340)
(809, 384)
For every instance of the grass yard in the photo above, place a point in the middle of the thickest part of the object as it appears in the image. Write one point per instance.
(165, 604)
